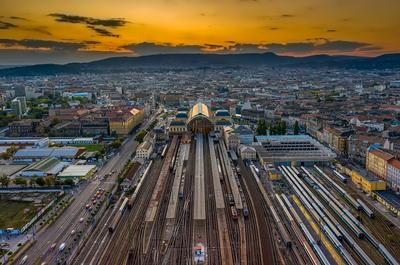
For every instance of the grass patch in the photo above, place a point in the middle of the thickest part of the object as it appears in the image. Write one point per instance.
(91, 147)
(15, 214)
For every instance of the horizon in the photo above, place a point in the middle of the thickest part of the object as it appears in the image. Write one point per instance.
(52, 32)
(5, 66)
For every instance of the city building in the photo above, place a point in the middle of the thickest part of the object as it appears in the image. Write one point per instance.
(377, 162)
(232, 140)
(18, 106)
(123, 120)
(77, 172)
(144, 150)
(29, 155)
(247, 152)
(298, 150)
(43, 168)
(393, 175)
(200, 119)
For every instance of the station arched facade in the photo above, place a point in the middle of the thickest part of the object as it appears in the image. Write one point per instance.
(199, 119)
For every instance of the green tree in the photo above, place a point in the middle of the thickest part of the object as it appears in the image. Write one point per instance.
(4, 180)
(20, 182)
(261, 127)
(40, 181)
(116, 144)
(69, 182)
(296, 128)
(140, 136)
(50, 180)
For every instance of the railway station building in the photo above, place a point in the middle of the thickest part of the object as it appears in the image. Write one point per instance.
(199, 119)
(295, 150)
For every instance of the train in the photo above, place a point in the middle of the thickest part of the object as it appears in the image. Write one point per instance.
(321, 256)
(365, 208)
(350, 199)
(245, 209)
(281, 228)
(164, 151)
(352, 220)
(234, 213)
(341, 177)
(181, 187)
(118, 215)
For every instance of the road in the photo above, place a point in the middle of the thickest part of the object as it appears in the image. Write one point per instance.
(60, 231)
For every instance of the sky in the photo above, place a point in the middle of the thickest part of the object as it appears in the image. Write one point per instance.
(57, 31)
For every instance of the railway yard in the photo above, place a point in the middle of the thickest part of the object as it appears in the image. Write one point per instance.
(196, 204)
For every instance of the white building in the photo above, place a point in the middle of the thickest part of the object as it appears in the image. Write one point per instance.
(247, 152)
(144, 150)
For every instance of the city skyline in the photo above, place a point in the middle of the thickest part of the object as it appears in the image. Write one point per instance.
(54, 32)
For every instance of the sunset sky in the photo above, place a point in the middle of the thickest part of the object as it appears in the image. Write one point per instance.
(56, 31)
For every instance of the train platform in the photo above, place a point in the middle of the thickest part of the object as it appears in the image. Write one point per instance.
(219, 196)
(231, 177)
(199, 192)
(173, 199)
(165, 171)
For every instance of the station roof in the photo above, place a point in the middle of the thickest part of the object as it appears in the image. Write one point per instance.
(77, 171)
(199, 109)
(292, 148)
(222, 113)
(43, 165)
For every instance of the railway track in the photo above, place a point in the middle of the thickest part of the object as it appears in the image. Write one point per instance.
(233, 227)
(263, 217)
(252, 236)
(213, 251)
(117, 250)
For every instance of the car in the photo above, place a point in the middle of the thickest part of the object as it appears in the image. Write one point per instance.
(62, 247)
(81, 220)
(90, 208)
(87, 206)
(23, 261)
(4, 245)
(53, 246)
(73, 232)
(95, 201)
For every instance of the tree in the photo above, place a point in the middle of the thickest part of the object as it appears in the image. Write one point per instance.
(69, 182)
(4, 180)
(116, 144)
(140, 136)
(49, 181)
(20, 182)
(296, 128)
(261, 127)
(40, 181)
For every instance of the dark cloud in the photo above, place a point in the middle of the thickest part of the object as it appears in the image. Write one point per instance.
(112, 22)
(7, 25)
(100, 26)
(42, 44)
(18, 18)
(147, 48)
(315, 45)
(331, 30)
(299, 47)
(287, 15)
(274, 28)
(103, 32)
(341, 46)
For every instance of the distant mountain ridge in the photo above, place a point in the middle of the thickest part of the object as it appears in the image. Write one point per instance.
(195, 61)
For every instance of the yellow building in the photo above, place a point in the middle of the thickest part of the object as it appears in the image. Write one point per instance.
(367, 183)
(123, 121)
(377, 162)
